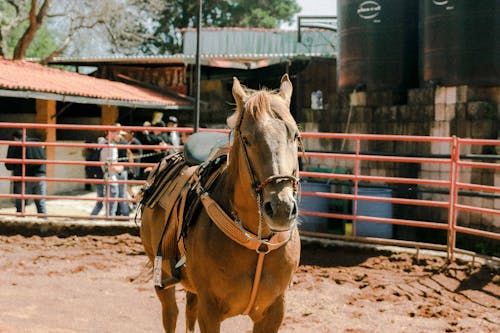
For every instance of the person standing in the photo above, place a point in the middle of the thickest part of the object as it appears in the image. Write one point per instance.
(123, 208)
(109, 155)
(38, 187)
(174, 137)
(153, 155)
(134, 156)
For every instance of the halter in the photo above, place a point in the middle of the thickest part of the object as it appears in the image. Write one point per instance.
(257, 186)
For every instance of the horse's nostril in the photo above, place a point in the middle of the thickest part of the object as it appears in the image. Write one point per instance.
(268, 208)
(294, 210)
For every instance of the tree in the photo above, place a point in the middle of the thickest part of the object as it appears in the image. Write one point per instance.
(43, 41)
(47, 28)
(23, 22)
(180, 14)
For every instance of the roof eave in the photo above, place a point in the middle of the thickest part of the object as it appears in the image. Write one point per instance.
(91, 100)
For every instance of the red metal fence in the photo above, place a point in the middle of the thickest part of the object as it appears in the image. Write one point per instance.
(452, 189)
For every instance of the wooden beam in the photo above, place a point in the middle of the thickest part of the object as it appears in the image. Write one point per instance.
(109, 114)
(46, 114)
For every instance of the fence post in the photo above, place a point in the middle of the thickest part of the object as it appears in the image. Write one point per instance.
(356, 183)
(453, 198)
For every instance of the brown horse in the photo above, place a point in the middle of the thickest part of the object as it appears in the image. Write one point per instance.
(248, 273)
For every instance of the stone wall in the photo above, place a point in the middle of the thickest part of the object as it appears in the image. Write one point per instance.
(466, 112)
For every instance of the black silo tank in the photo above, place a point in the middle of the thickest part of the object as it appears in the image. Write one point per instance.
(460, 42)
(378, 44)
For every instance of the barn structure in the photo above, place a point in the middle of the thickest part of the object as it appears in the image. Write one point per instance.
(356, 81)
(258, 57)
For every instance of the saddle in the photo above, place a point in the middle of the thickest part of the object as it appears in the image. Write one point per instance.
(175, 186)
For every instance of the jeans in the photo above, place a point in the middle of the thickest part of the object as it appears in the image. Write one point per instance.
(113, 194)
(36, 188)
(123, 194)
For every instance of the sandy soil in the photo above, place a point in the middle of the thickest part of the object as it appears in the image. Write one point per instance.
(97, 284)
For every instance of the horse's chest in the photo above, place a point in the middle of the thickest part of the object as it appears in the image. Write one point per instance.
(226, 271)
(235, 281)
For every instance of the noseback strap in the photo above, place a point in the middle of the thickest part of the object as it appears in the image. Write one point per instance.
(276, 179)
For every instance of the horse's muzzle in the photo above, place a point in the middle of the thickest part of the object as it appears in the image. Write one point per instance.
(280, 210)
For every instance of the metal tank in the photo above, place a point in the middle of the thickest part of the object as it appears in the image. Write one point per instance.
(460, 42)
(378, 44)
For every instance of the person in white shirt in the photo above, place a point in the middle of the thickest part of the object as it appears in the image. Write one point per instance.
(109, 155)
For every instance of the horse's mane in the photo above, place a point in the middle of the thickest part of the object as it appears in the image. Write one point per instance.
(259, 103)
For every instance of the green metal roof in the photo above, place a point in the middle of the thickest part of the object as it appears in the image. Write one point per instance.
(256, 43)
(238, 48)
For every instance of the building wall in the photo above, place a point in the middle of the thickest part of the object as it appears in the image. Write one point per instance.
(171, 78)
(463, 111)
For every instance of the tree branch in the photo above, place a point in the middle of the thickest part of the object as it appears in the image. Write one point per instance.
(15, 5)
(35, 21)
(74, 28)
(57, 52)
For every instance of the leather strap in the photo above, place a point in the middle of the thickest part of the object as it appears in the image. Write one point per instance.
(256, 281)
(243, 237)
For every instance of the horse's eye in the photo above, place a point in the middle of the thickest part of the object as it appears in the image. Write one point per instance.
(296, 137)
(245, 141)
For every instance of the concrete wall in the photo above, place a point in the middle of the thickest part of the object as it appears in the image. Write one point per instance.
(463, 111)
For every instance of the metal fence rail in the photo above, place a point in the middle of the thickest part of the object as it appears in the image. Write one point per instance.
(444, 183)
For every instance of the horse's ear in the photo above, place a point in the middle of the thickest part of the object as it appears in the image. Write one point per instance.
(286, 88)
(239, 95)
(238, 92)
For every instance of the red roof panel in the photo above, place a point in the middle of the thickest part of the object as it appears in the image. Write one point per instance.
(24, 75)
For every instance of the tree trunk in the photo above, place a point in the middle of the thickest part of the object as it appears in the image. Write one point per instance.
(36, 21)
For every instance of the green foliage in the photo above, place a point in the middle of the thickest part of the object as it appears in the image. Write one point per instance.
(43, 43)
(180, 14)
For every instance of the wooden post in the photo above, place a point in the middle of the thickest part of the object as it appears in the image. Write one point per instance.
(109, 114)
(46, 114)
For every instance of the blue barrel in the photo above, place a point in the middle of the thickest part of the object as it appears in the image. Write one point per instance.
(314, 204)
(375, 209)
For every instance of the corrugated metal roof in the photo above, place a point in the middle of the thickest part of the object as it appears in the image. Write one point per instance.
(25, 77)
(243, 48)
(261, 42)
(176, 59)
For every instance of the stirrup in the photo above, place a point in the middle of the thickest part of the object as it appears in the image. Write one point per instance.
(171, 281)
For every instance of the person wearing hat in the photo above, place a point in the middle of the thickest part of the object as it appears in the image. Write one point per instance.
(38, 187)
(111, 171)
(170, 138)
(174, 137)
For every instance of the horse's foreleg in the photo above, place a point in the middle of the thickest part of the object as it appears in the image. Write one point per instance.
(270, 320)
(169, 308)
(191, 311)
(208, 316)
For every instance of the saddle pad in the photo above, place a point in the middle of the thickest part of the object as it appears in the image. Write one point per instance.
(157, 183)
(167, 183)
(173, 188)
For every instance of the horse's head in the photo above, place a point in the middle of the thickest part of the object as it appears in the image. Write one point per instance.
(266, 141)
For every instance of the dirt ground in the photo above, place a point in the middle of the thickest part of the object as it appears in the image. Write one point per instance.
(97, 284)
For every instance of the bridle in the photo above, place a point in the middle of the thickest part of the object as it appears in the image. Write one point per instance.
(257, 186)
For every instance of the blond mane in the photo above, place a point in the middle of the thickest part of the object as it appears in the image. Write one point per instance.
(259, 103)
